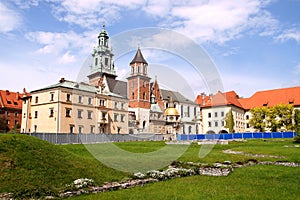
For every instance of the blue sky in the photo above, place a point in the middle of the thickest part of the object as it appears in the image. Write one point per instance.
(254, 44)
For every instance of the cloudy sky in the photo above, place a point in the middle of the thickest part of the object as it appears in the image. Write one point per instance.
(254, 44)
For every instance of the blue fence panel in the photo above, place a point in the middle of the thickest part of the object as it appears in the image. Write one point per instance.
(210, 136)
(277, 135)
(238, 136)
(288, 134)
(184, 137)
(228, 136)
(257, 135)
(200, 137)
(267, 135)
(192, 137)
(248, 135)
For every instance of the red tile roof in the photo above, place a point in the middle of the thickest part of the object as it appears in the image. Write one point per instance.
(271, 98)
(267, 98)
(10, 99)
(219, 99)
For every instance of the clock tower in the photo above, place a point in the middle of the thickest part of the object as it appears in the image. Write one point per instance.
(102, 59)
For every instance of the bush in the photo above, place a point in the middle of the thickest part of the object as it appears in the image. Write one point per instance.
(297, 138)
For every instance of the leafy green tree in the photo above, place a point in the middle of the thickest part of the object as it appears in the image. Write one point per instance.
(280, 116)
(297, 125)
(258, 119)
(3, 124)
(229, 121)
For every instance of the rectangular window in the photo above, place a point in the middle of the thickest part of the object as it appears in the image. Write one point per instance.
(79, 99)
(51, 96)
(16, 122)
(216, 114)
(80, 129)
(35, 114)
(16, 114)
(209, 115)
(216, 124)
(102, 102)
(222, 114)
(106, 61)
(122, 106)
(115, 117)
(68, 97)
(116, 105)
(36, 99)
(7, 113)
(72, 128)
(188, 111)
(122, 118)
(1, 111)
(7, 121)
(90, 114)
(68, 112)
(209, 124)
(223, 123)
(79, 114)
(90, 101)
(51, 112)
(92, 129)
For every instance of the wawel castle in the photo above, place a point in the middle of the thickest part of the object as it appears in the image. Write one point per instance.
(138, 105)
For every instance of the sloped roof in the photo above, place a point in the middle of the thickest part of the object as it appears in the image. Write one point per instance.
(176, 96)
(117, 86)
(271, 98)
(71, 85)
(138, 58)
(220, 99)
(267, 98)
(10, 99)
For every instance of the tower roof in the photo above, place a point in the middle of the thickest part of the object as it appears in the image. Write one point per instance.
(138, 58)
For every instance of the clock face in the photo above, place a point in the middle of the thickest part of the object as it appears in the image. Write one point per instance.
(171, 118)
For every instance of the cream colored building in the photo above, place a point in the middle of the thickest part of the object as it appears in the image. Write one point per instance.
(70, 107)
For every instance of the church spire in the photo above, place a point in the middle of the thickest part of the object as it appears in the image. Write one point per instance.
(138, 58)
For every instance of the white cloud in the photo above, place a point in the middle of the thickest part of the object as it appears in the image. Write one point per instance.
(58, 43)
(220, 21)
(9, 19)
(67, 58)
(215, 21)
(290, 34)
(26, 3)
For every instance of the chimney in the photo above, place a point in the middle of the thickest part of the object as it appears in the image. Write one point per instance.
(7, 92)
(62, 80)
(18, 96)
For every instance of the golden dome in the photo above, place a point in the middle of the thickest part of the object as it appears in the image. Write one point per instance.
(171, 111)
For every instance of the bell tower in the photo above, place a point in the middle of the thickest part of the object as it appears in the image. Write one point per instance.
(139, 91)
(102, 59)
(139, 82)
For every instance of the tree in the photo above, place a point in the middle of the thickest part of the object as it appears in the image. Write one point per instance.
(297, 125)
(258, 119)
(280, 116)
(3, 124)
(229, 121)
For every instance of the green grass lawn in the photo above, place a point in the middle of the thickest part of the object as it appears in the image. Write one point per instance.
(256, 182)
(29, 166)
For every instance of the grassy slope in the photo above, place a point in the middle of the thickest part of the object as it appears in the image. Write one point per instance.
(28, 164)
(256, 182)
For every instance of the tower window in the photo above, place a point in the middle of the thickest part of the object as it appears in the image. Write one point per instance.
(96, 61)
(36, 99)
(132, 95)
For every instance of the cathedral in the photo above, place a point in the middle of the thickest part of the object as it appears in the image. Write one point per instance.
(105, 104)
(147, 103)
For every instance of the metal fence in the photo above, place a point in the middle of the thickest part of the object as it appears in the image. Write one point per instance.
(66, 138)
(230, 136)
